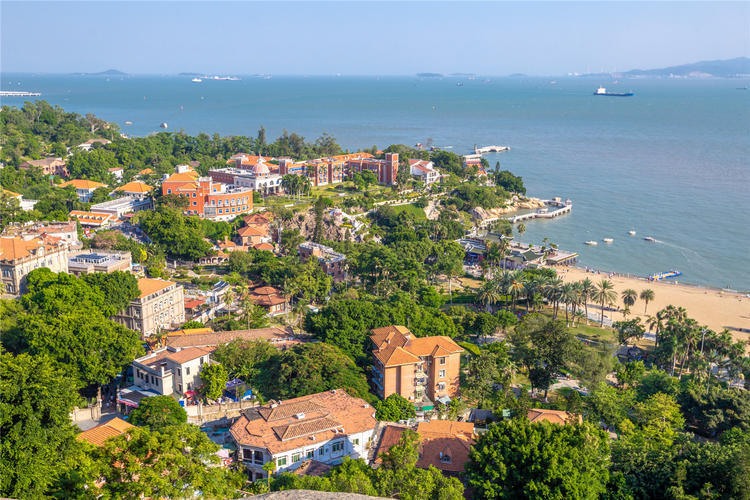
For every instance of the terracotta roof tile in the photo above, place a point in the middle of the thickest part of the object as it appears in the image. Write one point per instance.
(99, 434)
(135, 187)
(187, 354)
(395, 345)
(83, 184)
(552, 416)
(147, 286)
(273, 334)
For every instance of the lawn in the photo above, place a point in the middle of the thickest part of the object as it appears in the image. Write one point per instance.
(411, 209)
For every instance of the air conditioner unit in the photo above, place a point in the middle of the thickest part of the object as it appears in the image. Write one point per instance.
(299, 416)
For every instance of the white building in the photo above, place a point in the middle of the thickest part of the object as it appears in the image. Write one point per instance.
(84, 188)
(425, 170)
(325, 427)
(258, 178)
(160, 306)
(171, 370)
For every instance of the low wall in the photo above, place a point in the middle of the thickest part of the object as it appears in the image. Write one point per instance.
(82, 414)
(199, 414)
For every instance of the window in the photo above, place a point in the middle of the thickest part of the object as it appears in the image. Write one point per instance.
(195, 203)
(169, 191)
(310, 454)
(296, 457)
(445, 458)
(321, 451)
(179, 387)
(337, 447)
(201, 360)
(258, 459)
(441, 374)
(179, 372)
(281, 462)
(187, 370)
(442, 361)
(356, 442)
(247, 454)
(441, 386)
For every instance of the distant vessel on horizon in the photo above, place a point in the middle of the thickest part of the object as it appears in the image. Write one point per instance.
(603, 91)
(196, 80)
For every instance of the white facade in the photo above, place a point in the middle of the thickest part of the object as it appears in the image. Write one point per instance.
(425, 170)
(169, 370)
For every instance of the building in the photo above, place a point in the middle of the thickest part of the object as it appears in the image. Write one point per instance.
(553, 416)
(246, 161)
(332, 262)
(171, 370)
(443, 444)
(109, 429)
(25, 205)
(252, 235)
(117, 172)
(99, 261)
(136, 189)
(270, 299)
(65, 231)
(125, 205)
(84, 188)
(385, 170)
(326, 427)
(88, 145)
(259, 177)
(92, 219)
(160, 306)
(49, 166)
(424, 170)
(421, 369)
(278, 336)
(18, 257)
(207, 198)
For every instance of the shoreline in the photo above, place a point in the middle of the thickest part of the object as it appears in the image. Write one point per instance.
(716, 308)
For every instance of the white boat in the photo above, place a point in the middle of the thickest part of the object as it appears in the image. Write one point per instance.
(650, 239)
(592, 243)
(631, 232)
(163, 125)
(196, 80)
(128, 123)
(608, 240)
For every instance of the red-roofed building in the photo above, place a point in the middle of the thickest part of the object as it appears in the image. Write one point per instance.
(418, 368)
(207, 198)
(425, 170)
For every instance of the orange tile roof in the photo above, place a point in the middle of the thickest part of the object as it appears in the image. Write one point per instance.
(443, 444)
(135, 187)
(552, 416)
(251, 231)
(263, 246)
(147, 286)
(188, 176)
(187, 354)
(11, 193)
(395, 345)
(83, 184)
(146, 171)
(191, 331)
(278, 429)
(91, 218)
(17, 248)
(99, 434)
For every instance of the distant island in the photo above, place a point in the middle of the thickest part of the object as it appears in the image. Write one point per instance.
(729, 68)
(109, 72)
(429, 75)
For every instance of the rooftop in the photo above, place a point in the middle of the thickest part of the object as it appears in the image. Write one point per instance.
(83, 184)
(395, 345)
(99, 434)
(552, 416)
(135, 187)
(291, 424)
(147, 286)
(91, 218)
(210, 339)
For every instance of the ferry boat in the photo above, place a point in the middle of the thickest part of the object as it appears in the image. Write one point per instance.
(666, 275)
(608, 240)
(603, 91)
(650, 239)
(196, 80)
(591, 243)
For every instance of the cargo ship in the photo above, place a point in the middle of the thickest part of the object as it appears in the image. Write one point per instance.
(603, 91)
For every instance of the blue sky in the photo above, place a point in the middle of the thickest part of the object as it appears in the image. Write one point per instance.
(367, 38)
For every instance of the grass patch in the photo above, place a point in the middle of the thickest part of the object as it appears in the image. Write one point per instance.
(411, 209)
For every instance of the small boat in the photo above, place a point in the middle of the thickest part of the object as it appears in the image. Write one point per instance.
(591, 243)
(163, 125)
(196, 80)
(631, 232)
(650, 239)
(128, 123)
(608, 240)
(460, 84)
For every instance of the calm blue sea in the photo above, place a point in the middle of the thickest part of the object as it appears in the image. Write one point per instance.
(672, 162)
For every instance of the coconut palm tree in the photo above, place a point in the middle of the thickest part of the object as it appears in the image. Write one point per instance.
(587, 292)
(517, 288)
(567, 297)
(494, 254)
(629, 297)
(504, 246)
(647, 296)
(604, 293)
(521, 229)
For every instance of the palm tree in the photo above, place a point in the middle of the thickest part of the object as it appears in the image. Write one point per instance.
(521, 229)
(568, 296)
(647, 296)
(229, 297)
(587, 292)
(494, 255)
(629, 297)
(504, 246)
(604, 293)
(489, 294)
(516, 288)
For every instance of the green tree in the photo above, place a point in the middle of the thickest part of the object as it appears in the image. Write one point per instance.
(604, 294)
(158, 412)
(518, 459)
(36, 398)
(177, 461)
(176, 234)
(646, 296)
(215, 378)
(630, 329)
(629, 297)
(394, 408)
(553, 349)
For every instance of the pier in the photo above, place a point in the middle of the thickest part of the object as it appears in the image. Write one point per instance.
(490, 149)
(560, 208)
(18, 93)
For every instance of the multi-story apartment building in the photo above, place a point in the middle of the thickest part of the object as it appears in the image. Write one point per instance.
(332, 262)
(66, 231)
(49, 166)
(415, 367)
(160, 305)
(385, 170)
(207, 198)
(325, 427)
(18, 257)
(171, 370)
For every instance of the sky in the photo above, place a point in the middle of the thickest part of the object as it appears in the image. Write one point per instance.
(367, 38)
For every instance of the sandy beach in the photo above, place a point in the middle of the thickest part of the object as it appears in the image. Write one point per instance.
(715, 309)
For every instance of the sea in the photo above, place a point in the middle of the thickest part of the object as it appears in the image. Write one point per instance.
(672, 162)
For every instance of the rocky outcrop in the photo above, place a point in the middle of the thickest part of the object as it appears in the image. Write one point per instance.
(334, 228)
(514, 205)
